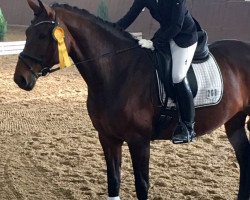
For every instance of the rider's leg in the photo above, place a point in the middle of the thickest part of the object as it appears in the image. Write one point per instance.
(182, 58)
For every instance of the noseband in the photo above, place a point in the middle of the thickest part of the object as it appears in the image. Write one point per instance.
(25, 56)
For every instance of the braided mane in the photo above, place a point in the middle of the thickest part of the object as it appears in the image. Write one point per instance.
(111, 27)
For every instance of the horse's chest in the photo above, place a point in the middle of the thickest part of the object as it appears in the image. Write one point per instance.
(109, 123)
(121, 120)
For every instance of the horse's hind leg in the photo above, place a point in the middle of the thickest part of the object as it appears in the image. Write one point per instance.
(235, 129)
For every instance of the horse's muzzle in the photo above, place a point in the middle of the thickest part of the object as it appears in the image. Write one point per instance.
(23, 83)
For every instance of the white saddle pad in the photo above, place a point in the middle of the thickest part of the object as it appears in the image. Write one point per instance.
(210, 83)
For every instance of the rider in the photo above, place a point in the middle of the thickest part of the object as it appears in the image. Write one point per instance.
(178, 28)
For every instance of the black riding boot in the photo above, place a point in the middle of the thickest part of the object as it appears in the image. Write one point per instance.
(185, 130)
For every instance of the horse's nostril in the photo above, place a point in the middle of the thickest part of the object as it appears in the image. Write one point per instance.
(20, 80)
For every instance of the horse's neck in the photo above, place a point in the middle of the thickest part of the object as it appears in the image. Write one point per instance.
(92, 40)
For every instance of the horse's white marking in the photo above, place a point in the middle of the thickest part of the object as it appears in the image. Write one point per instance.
(114, 198)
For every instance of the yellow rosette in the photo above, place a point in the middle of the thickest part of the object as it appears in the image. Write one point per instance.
(64, 60)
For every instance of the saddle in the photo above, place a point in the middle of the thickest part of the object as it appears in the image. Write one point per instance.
(202, 52)
(163, 65)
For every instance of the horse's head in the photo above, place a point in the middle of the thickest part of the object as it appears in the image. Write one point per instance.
(40, 52)
(50, 25)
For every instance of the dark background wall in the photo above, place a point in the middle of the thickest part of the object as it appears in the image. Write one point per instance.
(223, 19)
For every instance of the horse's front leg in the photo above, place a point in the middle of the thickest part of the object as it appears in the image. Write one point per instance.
(112, 153)
(140, 153)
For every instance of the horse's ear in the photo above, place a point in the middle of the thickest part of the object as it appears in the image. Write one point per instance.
(36, 8)
(47, 9)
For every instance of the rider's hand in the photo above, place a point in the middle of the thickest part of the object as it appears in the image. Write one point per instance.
(148, 44)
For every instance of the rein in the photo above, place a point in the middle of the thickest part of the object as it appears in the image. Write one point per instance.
(112, 53)
(46, 70)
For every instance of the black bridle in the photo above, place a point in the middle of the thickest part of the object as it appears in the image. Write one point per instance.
(43, 72)
(47, 69)
(25, 56)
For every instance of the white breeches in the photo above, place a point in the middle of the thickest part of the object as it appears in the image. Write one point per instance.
(182, 58)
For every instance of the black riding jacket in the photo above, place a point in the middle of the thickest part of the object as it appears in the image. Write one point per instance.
(175, 20)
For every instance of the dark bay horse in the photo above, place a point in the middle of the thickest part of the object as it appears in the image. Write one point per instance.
(122, 92)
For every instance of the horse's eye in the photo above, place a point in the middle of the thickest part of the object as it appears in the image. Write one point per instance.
(42, 36)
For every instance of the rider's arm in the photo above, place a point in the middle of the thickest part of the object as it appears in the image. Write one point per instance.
(131, 15)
